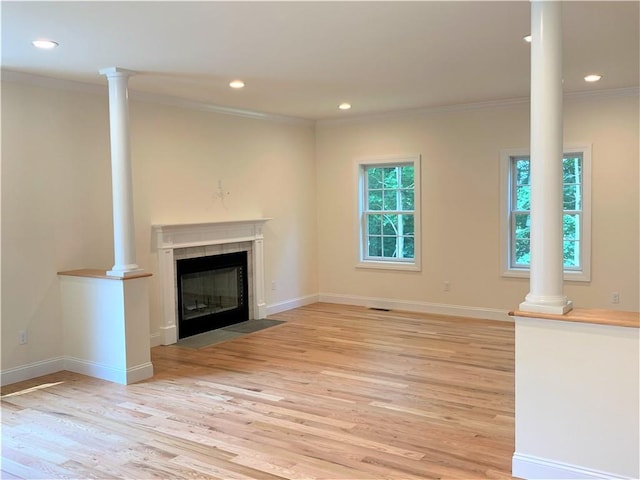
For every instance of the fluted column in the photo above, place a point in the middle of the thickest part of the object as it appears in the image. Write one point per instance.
(123, 227)
(547, 269)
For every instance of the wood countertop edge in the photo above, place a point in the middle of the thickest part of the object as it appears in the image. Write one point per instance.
(613, 318)
(98, 273)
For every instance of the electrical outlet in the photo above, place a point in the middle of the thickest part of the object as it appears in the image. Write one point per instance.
(274, 286)
(446, 286)
(615, 298)
(22, 337)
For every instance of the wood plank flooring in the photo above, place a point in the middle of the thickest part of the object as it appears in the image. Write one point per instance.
(336, 392)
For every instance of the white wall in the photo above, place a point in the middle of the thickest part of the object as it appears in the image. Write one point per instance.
(460, 204)
(56, 199)
(54, 172)
(267, 168)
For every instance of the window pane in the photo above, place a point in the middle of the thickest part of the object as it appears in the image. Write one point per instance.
(407, 199)
(523, 174)
(406, 177)
(408, 247)
(375, 199)
(571, 253)
(389, 247)
(390, 200)
(390, 225)
(572, 169)
(572, 197)
(523, 198)
(571, 226)
(374, 175)
(374, 224)
(522, 226)
(375, 246)
(522, 255)
(391, 177)
(407, 224)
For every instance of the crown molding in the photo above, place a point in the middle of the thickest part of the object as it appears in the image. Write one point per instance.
(54, 83)
(100, 89)
(491, 104)
(139, 96)
(212, 108)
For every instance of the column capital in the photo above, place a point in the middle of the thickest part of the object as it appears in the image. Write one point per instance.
(116, 72)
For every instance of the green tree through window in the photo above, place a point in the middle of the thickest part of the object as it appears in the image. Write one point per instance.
(572, 170)
(389, 212)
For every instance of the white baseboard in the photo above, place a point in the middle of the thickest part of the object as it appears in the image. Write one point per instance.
(96, 370)
(530, 467)
(289, 304)
(31, 370)
(139, 373)
(84, 367)
(106, 372)
(421, 307)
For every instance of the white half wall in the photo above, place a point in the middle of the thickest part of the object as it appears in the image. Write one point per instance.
(106, 326)
(577, 400)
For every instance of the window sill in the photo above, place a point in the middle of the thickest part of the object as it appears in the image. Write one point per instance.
(568, 276)
(380, 265)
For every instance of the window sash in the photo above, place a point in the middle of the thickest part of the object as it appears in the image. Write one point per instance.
(399, 235)
(514, 185)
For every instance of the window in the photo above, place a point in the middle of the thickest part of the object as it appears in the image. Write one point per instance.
(389, 200)
(516, 218)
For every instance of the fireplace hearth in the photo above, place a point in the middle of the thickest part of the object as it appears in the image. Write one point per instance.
(213, 292)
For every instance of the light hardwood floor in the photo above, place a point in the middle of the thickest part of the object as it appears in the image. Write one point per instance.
(335, 392)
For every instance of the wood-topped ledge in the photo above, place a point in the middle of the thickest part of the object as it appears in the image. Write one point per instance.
(97, 273)
(614, 318)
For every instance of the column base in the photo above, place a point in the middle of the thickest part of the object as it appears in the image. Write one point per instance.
(126, 271)
(542, 307)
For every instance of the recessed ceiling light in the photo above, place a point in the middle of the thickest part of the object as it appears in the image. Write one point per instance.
(237, 84)
(344, 106)
(527, 38)
(592, 78)
(44, 44)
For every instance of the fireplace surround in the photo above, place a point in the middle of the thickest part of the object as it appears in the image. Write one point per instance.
(175, 242)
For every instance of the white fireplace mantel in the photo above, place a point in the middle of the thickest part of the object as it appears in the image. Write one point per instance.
(169, 238)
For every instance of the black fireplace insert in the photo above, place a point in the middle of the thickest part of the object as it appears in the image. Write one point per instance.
(213, 292)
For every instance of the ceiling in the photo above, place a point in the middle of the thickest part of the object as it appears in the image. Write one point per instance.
(301, 59)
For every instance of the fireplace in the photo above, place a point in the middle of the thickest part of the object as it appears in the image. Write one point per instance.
(178, 242)
(213, 292)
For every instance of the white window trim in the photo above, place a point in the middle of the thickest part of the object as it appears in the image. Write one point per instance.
(360, 163)
(583, 275)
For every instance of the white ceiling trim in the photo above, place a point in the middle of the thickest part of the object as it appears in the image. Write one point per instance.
(491, 104)
(70, 85)
(212, 108)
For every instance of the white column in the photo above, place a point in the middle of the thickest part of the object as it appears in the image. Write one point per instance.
(123, 227)
(546, 281)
